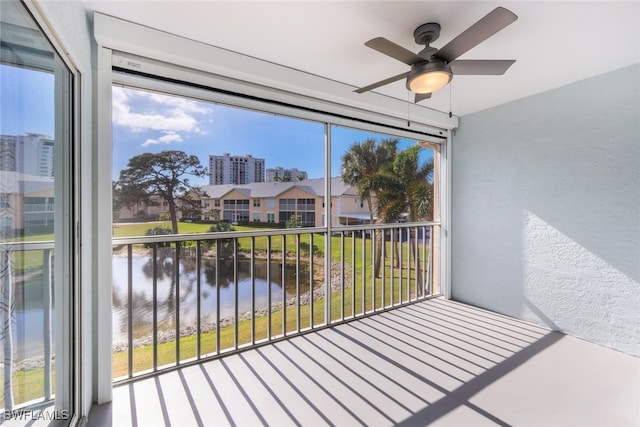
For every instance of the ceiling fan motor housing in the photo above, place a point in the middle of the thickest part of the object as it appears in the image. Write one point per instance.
(435, 68)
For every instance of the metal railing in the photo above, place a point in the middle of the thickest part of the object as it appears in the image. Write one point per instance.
(26, 282)
(179, 299)
(39, 207)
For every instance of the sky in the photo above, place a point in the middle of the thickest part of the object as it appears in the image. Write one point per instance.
(26, 101)
(151, 122)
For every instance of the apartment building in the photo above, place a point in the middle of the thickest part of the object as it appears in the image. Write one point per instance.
(276, 202)
(228, 169)
(268, 202)
(31, 154)
(285, 174)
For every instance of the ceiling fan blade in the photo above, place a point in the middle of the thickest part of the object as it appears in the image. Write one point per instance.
(493, 22)
(393, 50)
(382, 83)
(480, 67)
(421, 97)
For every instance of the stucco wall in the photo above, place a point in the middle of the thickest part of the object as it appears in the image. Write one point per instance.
(546, 209)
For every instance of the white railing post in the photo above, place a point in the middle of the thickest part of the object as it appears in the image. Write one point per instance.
(47, 326)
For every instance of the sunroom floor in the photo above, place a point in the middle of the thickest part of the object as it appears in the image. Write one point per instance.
(435, 362)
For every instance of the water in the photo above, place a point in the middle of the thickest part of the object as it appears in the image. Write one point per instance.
(27, 317)
(142, 280)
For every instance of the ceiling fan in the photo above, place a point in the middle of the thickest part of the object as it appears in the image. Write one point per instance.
(431, 68)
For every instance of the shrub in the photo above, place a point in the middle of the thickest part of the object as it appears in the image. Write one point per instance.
(158, 231)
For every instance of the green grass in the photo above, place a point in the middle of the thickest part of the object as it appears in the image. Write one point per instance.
(138, 229)
(28, 385)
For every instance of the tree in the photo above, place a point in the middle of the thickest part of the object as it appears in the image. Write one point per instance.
(165, 174)
(362, 162)
(294, 221)
(224, 247)
(127, 197)
(406, 188)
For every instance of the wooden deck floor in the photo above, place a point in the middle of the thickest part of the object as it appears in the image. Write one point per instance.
(437, 362)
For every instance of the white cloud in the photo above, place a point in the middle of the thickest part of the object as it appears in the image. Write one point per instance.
(165, 139)
(144, 111)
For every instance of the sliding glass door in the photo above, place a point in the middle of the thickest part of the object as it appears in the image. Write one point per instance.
(36, 222)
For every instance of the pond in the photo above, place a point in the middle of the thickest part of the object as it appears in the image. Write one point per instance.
(142, 280)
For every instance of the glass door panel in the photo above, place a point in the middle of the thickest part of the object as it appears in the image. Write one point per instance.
(35, 221)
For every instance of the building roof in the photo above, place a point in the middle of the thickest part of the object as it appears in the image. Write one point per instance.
(21, 183)
(257, 190)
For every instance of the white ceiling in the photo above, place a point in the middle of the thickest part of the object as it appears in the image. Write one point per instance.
(553, 43)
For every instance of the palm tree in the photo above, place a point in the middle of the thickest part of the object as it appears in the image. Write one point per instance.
(361, 164)
(406, 188)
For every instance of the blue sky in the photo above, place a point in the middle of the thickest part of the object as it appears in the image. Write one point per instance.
(151, 122)
(26, 101)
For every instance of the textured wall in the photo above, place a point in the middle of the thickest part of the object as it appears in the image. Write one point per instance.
(546, 209)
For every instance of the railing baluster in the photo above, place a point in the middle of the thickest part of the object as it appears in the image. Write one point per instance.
(311, 280)
(342, 299)
(154, 266)
(130, 309)
(401, 265)
(382, 267)
(353, 274)
(252, 268)
(284, 286)
(363, 271)
(269, 288)
(409, 250)
(236, 285)
(176, 270)
(218, 262)
(373, 269)
(422, 262)
(430, 264)
(327, 279)
(47, 283)
(198, 299)
(298, 282)
(416, 262)
(393, 266)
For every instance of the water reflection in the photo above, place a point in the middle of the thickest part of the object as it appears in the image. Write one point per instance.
(142, 280)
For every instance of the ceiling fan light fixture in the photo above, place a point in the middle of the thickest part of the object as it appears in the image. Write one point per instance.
(429, 77)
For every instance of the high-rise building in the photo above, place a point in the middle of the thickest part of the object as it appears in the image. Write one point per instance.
(8, 152)
(38, 162)
(228, 169)
(282, 174)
